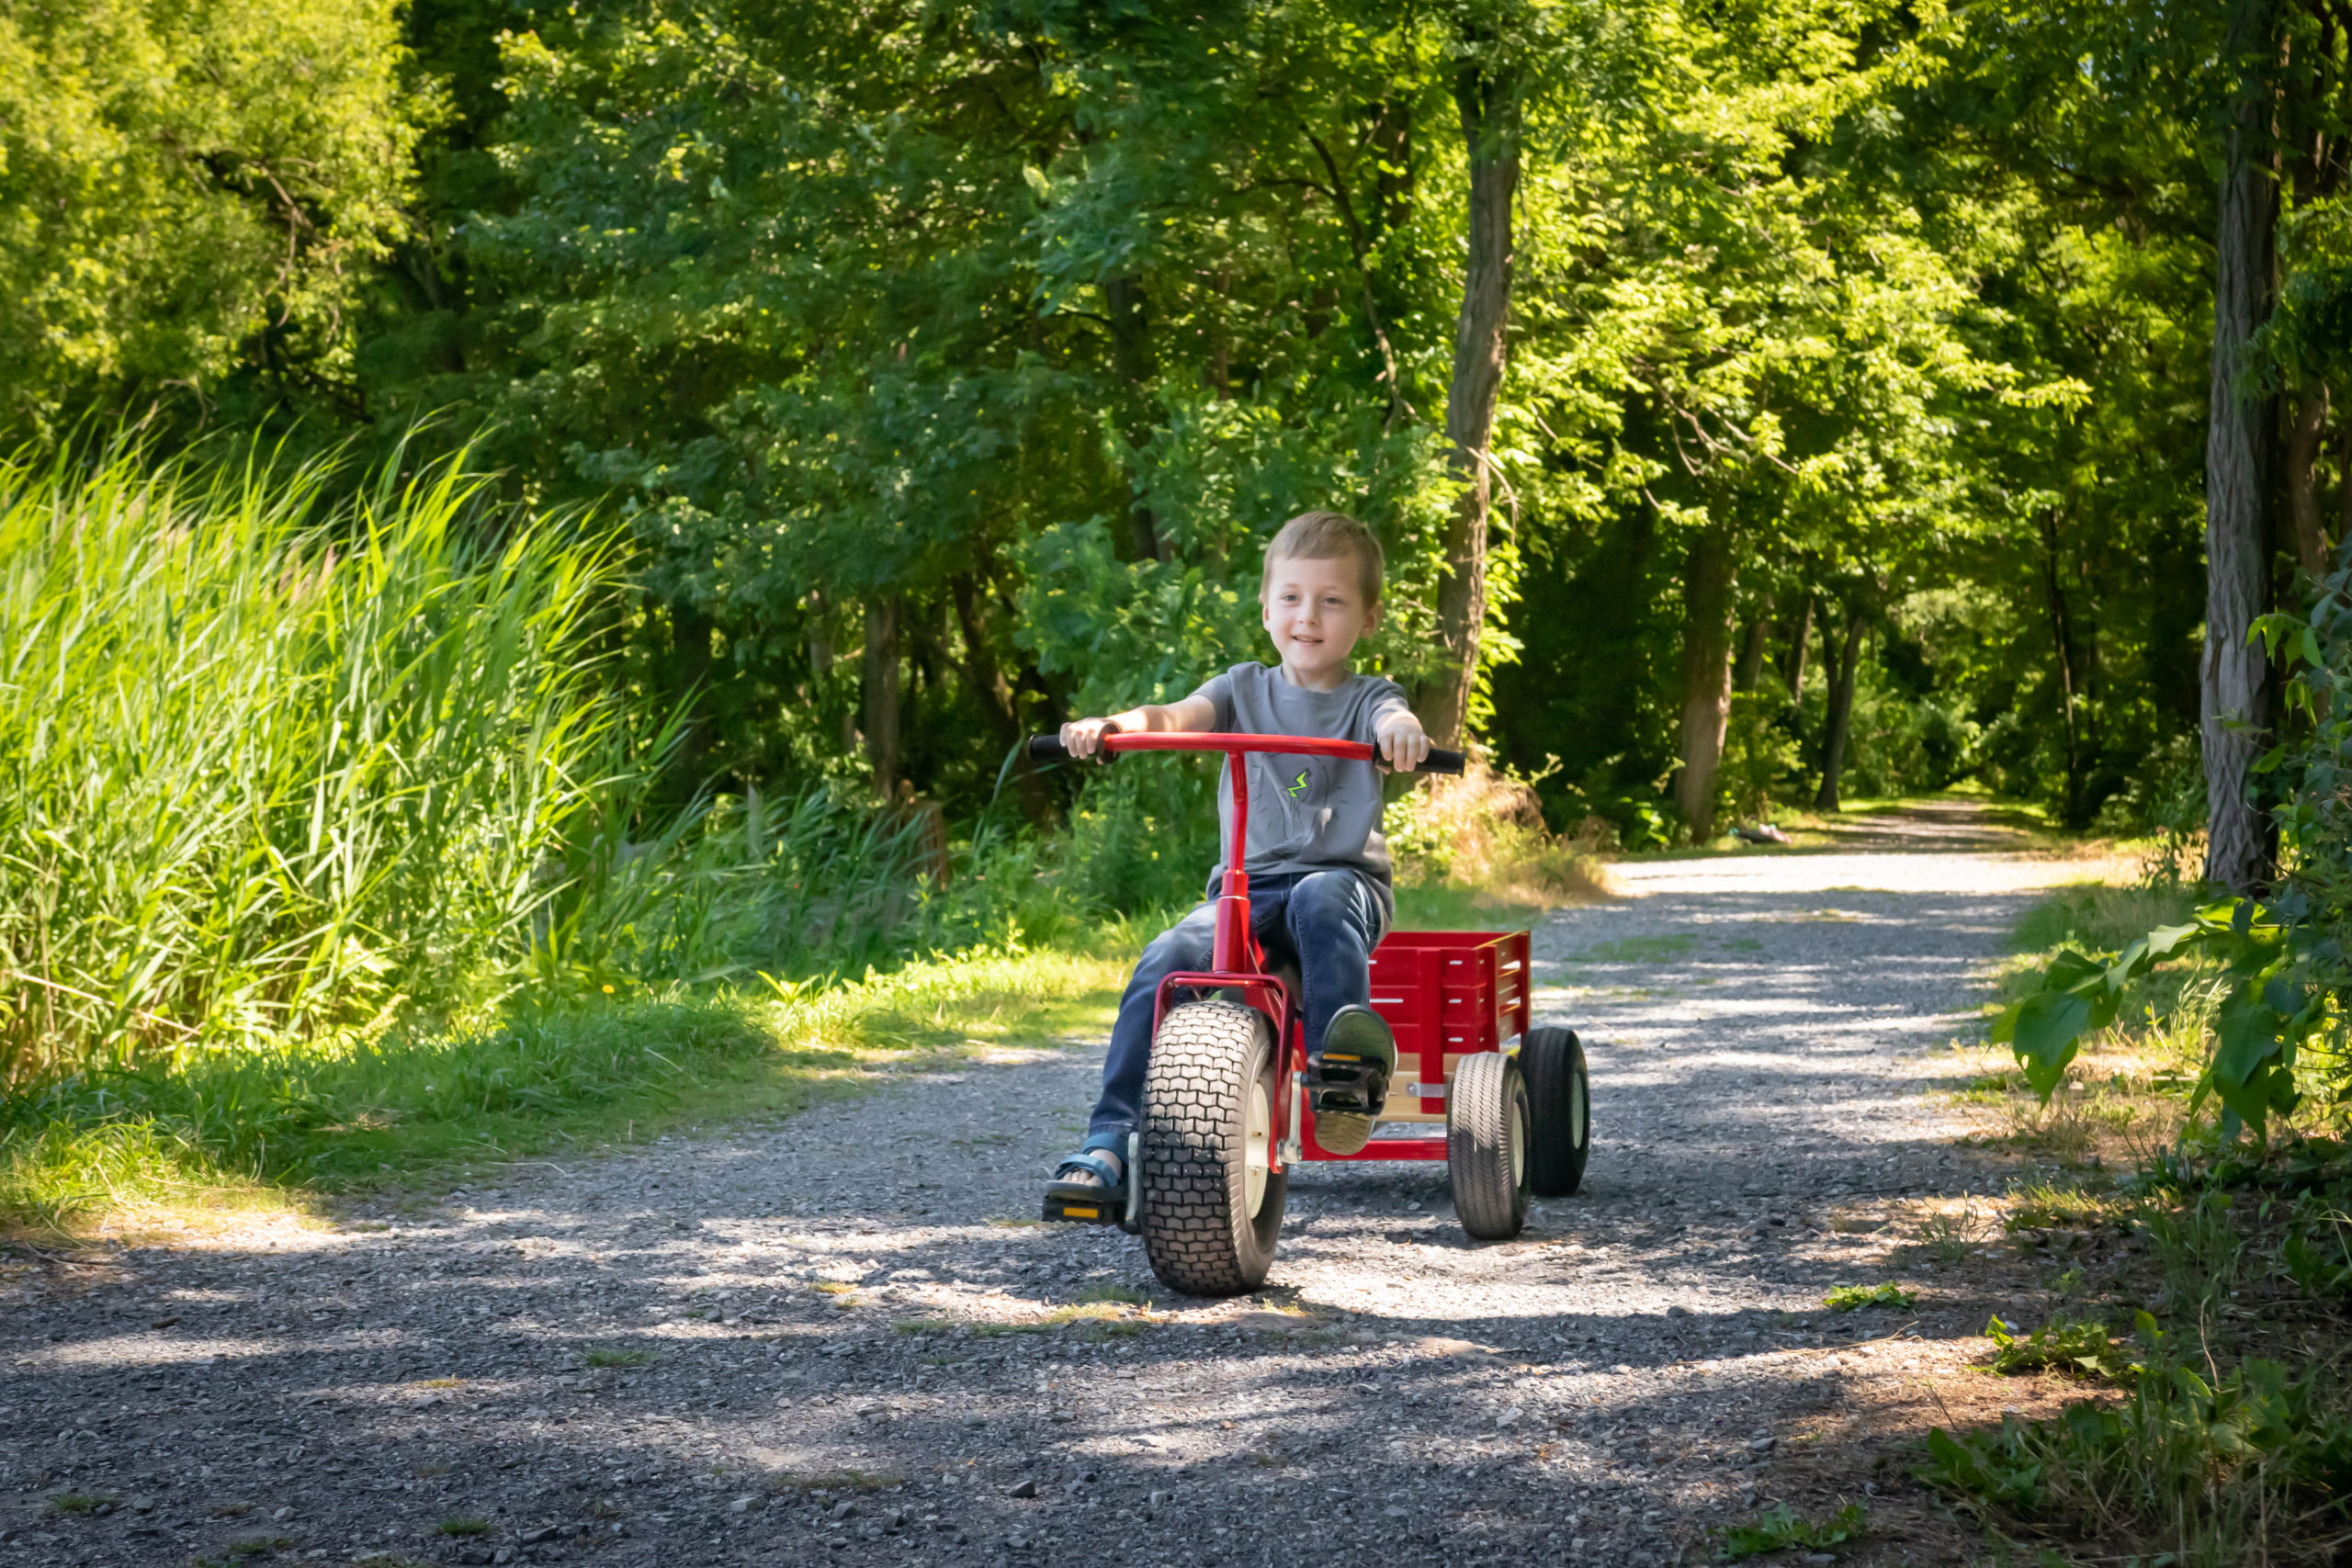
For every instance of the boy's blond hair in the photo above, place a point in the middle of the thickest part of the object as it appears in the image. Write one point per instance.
(1326, 536)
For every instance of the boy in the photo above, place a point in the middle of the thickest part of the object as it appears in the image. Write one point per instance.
(1318, 869)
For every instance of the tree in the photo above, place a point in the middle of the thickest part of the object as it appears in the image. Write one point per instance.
(1486, 93)
(188, 190)
(2240, 470)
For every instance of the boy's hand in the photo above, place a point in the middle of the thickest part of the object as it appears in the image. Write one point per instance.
(1083, 736)
(1403, 741)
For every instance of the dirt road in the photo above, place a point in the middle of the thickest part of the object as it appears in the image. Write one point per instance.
(839, 1340)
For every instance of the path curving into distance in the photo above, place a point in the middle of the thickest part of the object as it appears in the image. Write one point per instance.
(833, 1341)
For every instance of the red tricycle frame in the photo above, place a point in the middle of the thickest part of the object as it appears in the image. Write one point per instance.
(1444, 995)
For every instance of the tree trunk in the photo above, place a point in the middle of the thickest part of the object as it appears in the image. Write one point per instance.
(2303, 445)
(987, 679)
(820, 666)
(1489, 104)
(2344, 489)
(1794, 669)
(1706, 676)
(882, 692)
(1751, 651)
(2241, 432)
(1131, 351)
(1846, 659)
(2062, 637)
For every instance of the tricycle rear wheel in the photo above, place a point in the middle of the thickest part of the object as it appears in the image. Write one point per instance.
(1212, 1205)
(1486, 1122)
(1559, 1092)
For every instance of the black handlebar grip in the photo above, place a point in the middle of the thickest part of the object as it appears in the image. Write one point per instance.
(1047, 748)
(1440, 762)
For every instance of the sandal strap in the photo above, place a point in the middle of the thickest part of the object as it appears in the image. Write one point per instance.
(1094, 1160)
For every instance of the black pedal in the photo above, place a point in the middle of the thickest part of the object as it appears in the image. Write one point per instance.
(1082, 1212)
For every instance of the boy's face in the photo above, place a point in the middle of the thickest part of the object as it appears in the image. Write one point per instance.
(1314, 611)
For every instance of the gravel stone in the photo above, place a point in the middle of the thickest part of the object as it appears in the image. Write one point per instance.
(1755, 1026)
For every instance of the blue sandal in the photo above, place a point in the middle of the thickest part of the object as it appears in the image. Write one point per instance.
(1102, 1201)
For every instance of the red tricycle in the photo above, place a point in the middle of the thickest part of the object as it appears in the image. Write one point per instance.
(1225, 1115)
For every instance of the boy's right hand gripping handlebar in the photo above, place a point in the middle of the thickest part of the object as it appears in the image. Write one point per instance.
(1049, 748)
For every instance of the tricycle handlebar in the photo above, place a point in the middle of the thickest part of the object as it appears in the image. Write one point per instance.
(1049, 748)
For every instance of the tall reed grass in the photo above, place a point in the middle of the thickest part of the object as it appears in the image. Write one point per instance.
(279, 763)
(270, 761)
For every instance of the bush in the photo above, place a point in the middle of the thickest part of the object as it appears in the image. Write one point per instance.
(2253, 1468)
(1485, 831)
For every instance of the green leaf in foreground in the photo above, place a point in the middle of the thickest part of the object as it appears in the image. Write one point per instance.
(1849, 1298)
(1782, 1527)
(2083, 1348)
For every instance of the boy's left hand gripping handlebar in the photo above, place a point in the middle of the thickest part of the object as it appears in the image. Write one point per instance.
(1049, 749)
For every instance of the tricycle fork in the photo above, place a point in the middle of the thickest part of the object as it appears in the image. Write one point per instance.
(1270, 996)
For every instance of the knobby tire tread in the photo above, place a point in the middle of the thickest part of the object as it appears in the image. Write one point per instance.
(1198, 1240)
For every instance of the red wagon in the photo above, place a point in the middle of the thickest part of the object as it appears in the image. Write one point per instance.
(1225, 1112)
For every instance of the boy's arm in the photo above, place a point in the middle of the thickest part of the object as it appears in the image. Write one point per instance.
(1191, 715)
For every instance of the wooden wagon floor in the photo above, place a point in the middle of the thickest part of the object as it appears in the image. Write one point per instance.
(838, 1340)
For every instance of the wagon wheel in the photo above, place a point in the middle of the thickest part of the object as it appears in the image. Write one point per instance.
(1560, 1094)
(1212, 1208)
(1487, 1125)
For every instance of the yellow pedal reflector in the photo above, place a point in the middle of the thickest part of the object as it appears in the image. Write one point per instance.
(1068, 1212)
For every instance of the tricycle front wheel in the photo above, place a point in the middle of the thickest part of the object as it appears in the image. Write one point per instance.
(1212, 1204)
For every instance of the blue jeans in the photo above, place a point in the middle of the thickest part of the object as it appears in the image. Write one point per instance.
(1327, 920)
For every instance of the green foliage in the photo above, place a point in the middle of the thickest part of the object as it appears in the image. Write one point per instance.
(418, 1103)
(2258, 1027)
(180, 183)
(279, 768)
(1762, 758)
(1779, 1527)
(2283, 957)
(1851, 1298)
(2212, 1471)
(275, 766)
(2080, 1348)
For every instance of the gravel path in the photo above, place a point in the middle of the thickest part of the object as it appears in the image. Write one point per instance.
(839, 1339)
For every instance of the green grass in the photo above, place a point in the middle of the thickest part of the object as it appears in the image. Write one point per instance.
(620, 1358)
(1127, 1293)
(2246, 1467)
(1851, 1298)
(2099, 919)
(269, 1127)
(1779, 1527)
(2078, 1349)
(328, 858)
(465, 1527)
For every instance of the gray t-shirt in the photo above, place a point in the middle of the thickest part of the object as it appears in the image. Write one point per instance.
(1308, 813)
